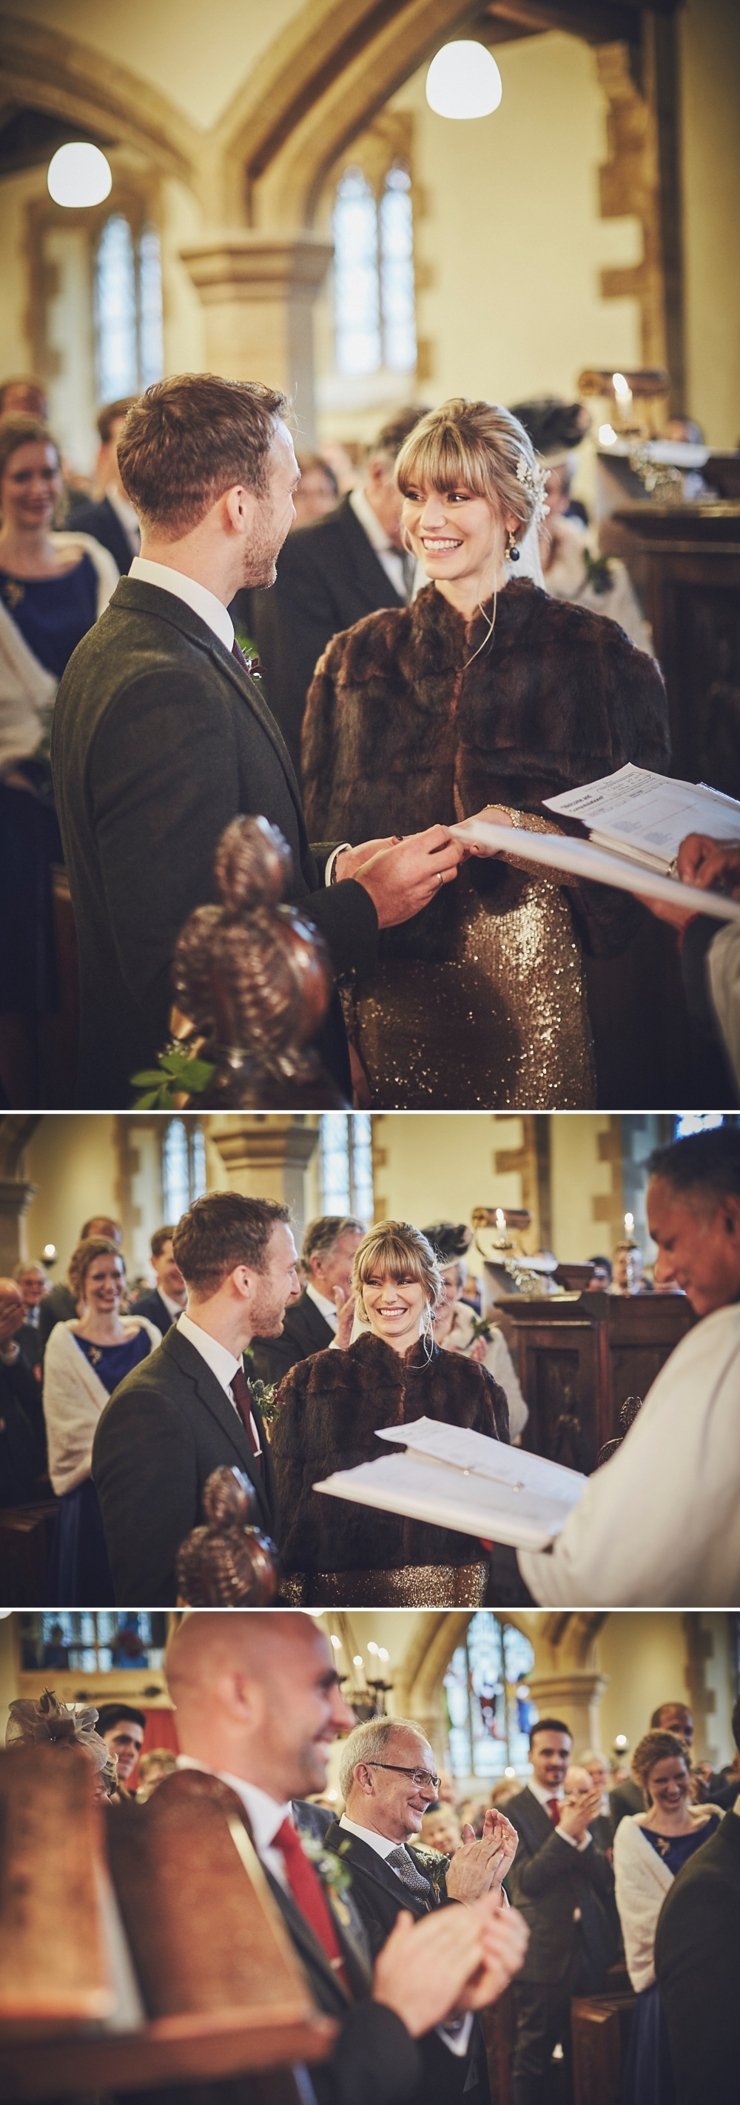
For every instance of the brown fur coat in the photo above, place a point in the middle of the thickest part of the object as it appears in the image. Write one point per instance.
(330, 1407)
(400, 733)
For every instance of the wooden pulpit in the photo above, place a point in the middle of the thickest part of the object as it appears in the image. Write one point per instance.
(578, 1359)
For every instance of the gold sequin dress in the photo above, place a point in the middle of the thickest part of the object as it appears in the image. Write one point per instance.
(479, 1001)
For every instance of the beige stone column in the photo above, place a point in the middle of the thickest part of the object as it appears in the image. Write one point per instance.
(573, 1697)
(258, 293)
(15, 1199)
(266, 1155)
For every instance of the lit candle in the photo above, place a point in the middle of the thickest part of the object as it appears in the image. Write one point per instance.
(629, 1224)
(623, 398)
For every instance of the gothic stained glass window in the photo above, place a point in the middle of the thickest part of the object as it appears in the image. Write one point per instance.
(346, 1164)
(94, 1643)
(183, 1166)
(374, 302)
(489, 1708)
(129, 351)
(397, 272)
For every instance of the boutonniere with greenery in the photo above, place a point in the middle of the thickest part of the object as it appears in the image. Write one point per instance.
(264, 1394)
(482, 1328)
(333, 1871)
(179, 1073)
(432, 1863)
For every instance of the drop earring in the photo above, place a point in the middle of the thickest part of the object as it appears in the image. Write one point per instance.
(512, 550)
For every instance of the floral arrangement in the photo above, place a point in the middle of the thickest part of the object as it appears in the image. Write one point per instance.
(264, 1394)
(178, 1073)
(433, 1864)
(331, 1865)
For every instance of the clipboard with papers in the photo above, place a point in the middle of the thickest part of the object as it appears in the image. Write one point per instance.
(466, 1481)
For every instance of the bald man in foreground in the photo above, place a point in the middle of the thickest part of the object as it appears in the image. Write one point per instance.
(258, 1704)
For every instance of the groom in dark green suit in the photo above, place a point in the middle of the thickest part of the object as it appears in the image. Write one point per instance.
(161, 735)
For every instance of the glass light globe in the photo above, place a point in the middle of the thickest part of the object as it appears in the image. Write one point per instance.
(463, 81)
(79, 175)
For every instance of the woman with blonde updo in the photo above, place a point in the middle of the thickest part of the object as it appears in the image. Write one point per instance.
(483, 697)
(650, 1848)
(330, 1408)
(84, 1362)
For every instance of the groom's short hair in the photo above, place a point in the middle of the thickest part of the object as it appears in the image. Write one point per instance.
(190, 438)
(220, 1231)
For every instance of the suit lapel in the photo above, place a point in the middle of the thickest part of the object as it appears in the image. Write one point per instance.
(375, 1867)
(369, 570)
(157, 603)
(213, 1399)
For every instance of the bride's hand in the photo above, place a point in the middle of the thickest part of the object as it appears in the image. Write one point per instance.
(490, 815)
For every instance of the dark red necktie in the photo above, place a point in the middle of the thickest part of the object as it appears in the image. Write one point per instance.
(308, 1892)
(240, 1391)
(250, 665)
(554, 1808)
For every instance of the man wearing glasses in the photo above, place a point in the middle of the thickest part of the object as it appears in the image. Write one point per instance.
(387, 1779)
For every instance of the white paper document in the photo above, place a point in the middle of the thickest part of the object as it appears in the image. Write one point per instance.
(647, 816)
(462, 1480)
(595, 865)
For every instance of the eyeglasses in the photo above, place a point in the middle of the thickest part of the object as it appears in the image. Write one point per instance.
(422, 1777)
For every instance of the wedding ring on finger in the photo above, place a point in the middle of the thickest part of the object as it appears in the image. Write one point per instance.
(440, 878)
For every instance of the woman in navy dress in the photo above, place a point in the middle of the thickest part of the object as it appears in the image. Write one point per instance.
(650, 1850)
(53, 586)
(85, 1361)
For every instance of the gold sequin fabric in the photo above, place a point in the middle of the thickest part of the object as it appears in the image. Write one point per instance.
(409, 1586)
(504, 1023)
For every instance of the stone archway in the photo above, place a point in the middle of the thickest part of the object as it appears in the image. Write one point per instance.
(48, 70)
(565, 1673)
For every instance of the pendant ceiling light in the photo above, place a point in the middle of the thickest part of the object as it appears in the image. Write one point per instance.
(79, 175)
(463, 81)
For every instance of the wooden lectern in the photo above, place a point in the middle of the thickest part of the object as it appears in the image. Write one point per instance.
(580, 1357)
(140, 1945)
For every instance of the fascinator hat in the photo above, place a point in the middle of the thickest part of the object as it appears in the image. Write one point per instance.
(50, 1723)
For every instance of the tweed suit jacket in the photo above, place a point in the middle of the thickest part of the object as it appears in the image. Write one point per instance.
(565, 1895)
(328, 577)
(304, 1331)
(159, 739)
(163, 1431)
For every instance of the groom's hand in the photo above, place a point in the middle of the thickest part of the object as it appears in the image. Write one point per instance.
(402, 879)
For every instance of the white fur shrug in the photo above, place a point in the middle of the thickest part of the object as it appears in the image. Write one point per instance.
(73, 1401)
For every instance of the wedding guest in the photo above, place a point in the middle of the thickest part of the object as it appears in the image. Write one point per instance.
(49, 1723)
(53, 586)
(481, 698)
(85, 1360)
(329, 1408)
(318, 489)
(457, 1328)
(109, 516)
(59, 1305)
(34, 1285)
(650, 1849)
(328, 1250)
(166, 1301)
(22, 1445)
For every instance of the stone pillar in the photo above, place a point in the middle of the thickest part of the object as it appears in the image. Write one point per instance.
(267, 1156)
(573, 1697)
(258, 293)
(15, 1199)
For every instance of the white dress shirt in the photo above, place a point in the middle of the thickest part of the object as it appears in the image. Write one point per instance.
(220, 1360)
(326, 1308)
(196, 596)
(390, 557)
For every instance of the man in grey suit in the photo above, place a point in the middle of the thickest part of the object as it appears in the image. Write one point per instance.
(187, 1409)
(563, 1885)
(329, 1245)
(161, 736)
(168, 1298)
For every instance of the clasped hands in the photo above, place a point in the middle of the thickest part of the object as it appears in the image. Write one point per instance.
(480, 1866)
(403, 874)
(453, 1960)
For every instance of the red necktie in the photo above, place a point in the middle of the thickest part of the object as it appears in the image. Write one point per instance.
(308, 1892)
(554, 1808)
(241, 1393)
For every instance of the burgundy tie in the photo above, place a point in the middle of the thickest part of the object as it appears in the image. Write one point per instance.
(554, 1808)
(250, 665)
(308, 1892)
(240, 1391)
